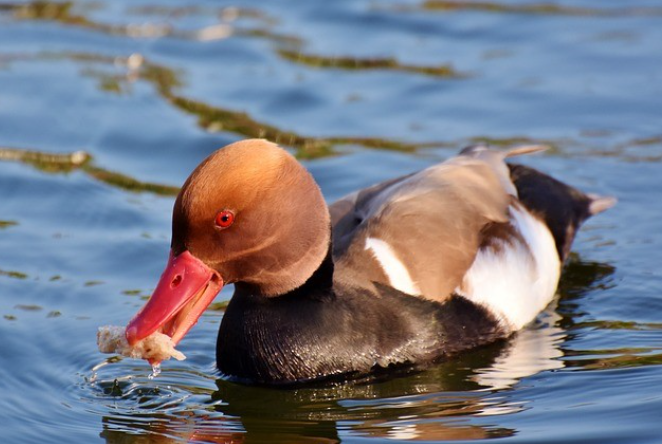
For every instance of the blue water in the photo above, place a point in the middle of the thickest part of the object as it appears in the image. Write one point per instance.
(148, 90)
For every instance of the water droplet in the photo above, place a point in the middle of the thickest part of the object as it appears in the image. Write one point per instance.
(156, 371)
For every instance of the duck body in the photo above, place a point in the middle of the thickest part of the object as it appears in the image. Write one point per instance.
(418, 268)
(343, 331)
(329, 327)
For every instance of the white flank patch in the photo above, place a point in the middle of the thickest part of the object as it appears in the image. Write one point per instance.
(518, 281)
(395, 270)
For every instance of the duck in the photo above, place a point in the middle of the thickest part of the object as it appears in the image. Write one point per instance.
(407, 272)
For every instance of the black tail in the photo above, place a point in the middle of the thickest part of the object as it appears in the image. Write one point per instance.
(562, 207)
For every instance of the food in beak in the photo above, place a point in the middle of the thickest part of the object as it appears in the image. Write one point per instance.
(186, 288)
(155, 348)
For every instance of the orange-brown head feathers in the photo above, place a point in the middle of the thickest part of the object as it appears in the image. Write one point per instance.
(254, 214)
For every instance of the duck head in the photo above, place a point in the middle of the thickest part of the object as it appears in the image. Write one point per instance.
(248, 214)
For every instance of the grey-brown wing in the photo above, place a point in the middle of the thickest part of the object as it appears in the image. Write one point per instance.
(418, 233)
(348, 212)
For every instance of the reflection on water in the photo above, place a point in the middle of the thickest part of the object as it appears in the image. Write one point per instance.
(441, 402)
(214, 119)
(536, 8)
(65, 163)
(74, 14)
(533, 350)
(354, 63)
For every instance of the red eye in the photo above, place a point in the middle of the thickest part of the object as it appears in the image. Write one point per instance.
(224, 219)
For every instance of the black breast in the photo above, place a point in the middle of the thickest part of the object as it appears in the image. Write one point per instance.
(343, 331)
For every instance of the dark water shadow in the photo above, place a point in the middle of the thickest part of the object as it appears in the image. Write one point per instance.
(441, 402)
(541, 8)
(365, 64)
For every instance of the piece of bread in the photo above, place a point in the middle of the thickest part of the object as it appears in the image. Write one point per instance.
(155, 347)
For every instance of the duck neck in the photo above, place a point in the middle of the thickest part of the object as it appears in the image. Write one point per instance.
(319, 283)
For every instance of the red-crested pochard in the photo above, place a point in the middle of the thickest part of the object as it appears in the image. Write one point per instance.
(408, 271)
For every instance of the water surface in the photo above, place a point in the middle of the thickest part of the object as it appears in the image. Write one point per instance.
(360, 91)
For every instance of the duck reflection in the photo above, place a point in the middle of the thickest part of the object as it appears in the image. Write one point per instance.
(447, 401)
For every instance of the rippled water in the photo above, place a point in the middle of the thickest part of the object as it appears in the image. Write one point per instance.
(360, 91)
